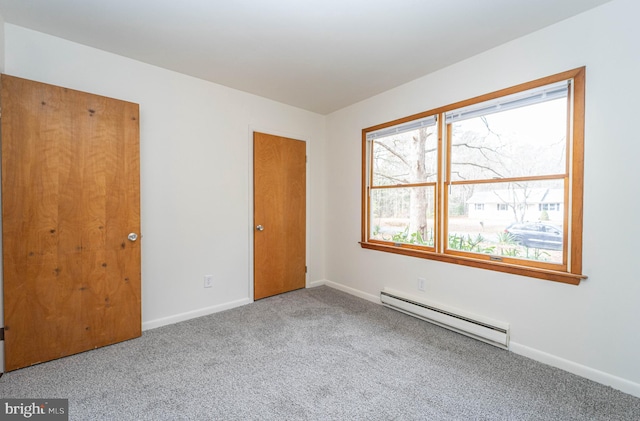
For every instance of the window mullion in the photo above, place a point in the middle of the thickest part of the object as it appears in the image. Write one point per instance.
(444, 160)
(494, 184)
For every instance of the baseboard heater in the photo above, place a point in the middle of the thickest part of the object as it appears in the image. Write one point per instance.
(478, 327)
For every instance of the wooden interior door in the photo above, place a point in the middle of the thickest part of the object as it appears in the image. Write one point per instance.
(279, 180)
(70, 198)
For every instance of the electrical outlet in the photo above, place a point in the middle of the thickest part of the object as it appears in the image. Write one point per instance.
(422, 284)
(208, 281)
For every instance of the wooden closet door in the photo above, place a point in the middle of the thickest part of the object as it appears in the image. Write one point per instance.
(279, 201)
(70, 199)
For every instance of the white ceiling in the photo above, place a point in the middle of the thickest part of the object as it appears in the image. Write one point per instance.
(320, 55)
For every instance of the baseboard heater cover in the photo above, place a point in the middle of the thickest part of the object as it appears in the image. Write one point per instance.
(478, 327)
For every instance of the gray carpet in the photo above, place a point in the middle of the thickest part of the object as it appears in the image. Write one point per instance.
(316, 354)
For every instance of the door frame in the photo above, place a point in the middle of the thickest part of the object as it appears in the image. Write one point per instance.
(250, 219)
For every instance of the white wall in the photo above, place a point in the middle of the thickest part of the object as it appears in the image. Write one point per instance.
(592, 329)
(1, 44)
(195, 170)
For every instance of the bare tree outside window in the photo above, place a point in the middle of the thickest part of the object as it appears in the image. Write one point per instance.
(405, 164)
(512, 145)
(491, 179)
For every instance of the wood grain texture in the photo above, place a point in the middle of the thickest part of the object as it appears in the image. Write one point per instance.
(577, 170)
(279, 206)
(70, 196)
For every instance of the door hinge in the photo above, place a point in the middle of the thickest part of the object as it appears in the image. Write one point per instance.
(305, 271)
(306, 159)
(1, 334)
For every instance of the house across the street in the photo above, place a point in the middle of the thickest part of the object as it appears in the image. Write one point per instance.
(529, 204)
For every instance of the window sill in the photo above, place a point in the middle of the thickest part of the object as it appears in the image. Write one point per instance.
(550, 275)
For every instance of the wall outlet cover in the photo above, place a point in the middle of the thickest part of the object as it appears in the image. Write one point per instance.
(208, 281)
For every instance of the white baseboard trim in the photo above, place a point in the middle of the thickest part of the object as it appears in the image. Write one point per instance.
(598, 376)
(152, 324)
(314, 284)
(353, 291)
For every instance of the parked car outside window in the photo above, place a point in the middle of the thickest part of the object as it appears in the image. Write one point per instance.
(536, 235)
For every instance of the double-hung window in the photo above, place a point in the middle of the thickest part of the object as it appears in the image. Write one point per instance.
(494, 182)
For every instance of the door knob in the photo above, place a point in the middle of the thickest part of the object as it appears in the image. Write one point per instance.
(260, 228)
(132, 236)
